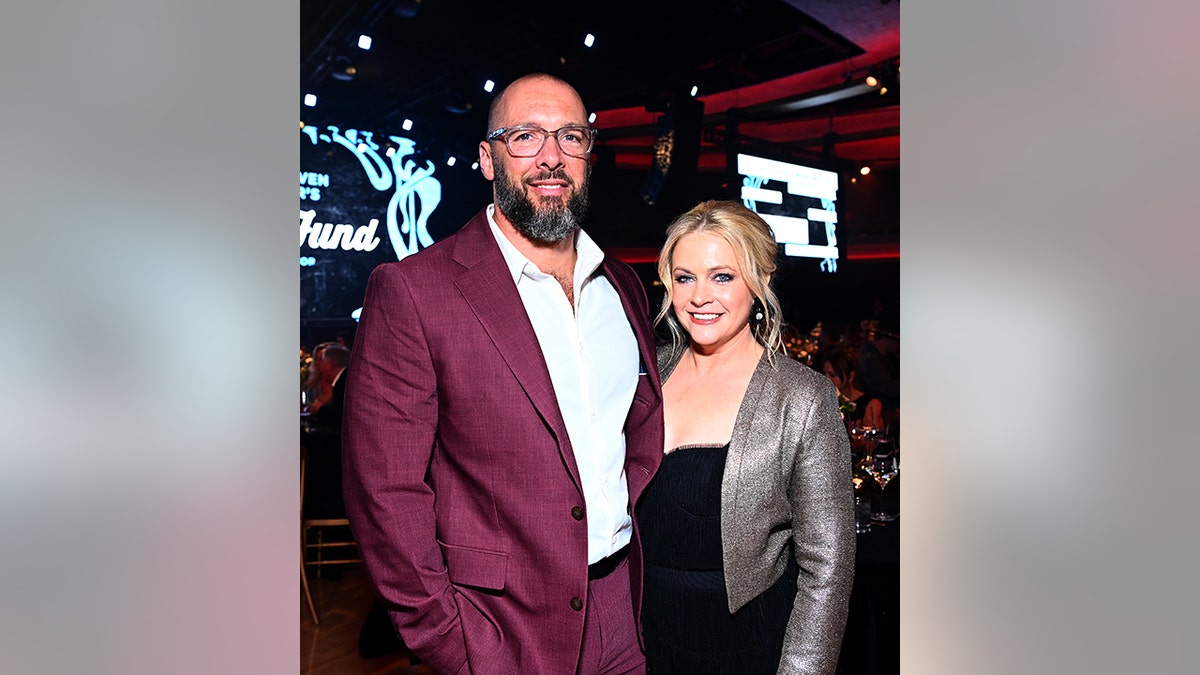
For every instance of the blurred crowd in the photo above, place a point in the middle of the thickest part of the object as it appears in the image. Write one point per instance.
(863, 361)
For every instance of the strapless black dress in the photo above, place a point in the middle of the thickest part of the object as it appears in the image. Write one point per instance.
(685, 612)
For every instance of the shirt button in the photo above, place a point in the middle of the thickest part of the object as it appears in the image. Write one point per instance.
(576, 604)
(577, 512)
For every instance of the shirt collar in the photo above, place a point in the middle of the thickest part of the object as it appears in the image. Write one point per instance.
(587, 260)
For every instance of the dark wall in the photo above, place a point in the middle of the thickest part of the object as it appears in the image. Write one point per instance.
(620, 218)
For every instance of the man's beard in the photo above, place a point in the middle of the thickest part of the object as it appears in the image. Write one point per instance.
(553, 222)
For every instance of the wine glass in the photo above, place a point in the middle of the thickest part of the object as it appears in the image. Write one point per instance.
(883, 466)
(861, 439)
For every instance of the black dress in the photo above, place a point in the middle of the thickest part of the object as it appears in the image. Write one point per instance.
(685, 611)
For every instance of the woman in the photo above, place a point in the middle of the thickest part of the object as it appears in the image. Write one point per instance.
(748, 526)
(841, 367)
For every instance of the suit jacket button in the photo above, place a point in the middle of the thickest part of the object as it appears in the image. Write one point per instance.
(576, 604)
(577, 512)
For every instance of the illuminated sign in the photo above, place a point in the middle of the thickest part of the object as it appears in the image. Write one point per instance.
(415, 192)
(798, 202)
(361, 205)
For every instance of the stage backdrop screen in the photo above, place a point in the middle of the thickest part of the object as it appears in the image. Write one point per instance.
(798, 202)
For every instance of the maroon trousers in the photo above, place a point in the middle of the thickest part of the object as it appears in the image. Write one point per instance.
(610, 642)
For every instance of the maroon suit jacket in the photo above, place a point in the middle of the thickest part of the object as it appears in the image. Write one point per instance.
(459, 476)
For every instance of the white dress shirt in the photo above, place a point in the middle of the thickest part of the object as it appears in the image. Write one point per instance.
(592, 356)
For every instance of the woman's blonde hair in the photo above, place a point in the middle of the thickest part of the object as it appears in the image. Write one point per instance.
(755, 247)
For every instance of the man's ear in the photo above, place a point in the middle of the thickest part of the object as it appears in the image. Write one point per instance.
(485, 161)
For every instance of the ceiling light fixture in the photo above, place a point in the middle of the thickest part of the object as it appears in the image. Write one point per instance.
(457, 103)
(589, 40)
(364, 41)
(343, 69)
(407, 8)
(310, 100)
(489, 86)
(407, 126)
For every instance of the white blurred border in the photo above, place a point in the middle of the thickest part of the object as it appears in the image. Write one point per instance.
(148, 310)
(1048, 315)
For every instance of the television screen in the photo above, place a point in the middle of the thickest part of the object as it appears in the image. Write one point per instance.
(798, 202)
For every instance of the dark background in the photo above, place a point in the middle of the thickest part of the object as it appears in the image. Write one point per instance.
(776, 78)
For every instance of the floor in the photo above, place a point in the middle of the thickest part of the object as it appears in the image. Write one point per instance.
(331, 648)
(344, 599)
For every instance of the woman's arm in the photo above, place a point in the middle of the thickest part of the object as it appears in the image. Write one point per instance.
(822, 500)
(873, 416)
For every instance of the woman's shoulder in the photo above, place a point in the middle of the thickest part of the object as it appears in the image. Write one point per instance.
(792, 369)
(793, 376)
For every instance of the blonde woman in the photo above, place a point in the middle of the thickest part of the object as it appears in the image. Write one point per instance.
(748, 526)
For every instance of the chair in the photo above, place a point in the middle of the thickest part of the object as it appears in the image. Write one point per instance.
(303, 574)
(317, 553)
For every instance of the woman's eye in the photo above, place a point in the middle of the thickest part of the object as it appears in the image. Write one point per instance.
(682, 278)
(723, 278)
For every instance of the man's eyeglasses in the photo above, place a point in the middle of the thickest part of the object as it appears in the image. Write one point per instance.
(527, 141)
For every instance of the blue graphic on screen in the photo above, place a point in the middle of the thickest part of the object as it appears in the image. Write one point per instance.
(358, 185)
(798, 202)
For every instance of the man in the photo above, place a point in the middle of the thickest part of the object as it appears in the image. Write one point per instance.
(503, 414)
(331, 359)
(322, 436)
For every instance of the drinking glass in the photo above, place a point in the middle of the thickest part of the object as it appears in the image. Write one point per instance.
(861, 440)
(883, 465)
(862, 506)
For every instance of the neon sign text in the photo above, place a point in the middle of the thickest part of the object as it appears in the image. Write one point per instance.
(330, 236)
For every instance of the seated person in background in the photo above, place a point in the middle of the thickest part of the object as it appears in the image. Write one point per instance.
(841, 367)
(316, 390)
(331, 362)
(323, 440)
(879, 366)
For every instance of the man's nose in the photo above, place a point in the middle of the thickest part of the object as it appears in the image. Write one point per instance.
(550, 155)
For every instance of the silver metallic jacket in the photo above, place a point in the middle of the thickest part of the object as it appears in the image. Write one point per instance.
(787, 478)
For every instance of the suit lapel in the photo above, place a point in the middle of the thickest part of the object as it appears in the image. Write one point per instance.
(643, 447)
(487, 287)
(740, 447)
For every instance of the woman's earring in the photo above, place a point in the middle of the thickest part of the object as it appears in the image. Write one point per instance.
(758, 310)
